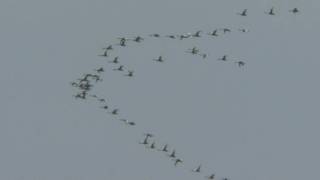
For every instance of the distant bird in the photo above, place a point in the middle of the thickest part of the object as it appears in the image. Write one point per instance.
(244, 30)
(145, 141)
(197, 34)
(101, 100)
(115, 112)
(100, 70)
(240, 63)
(74, 84)
(197, 169)
(177, 161)
(171, 36)
(108, 48)
(159, 59)
(155, 35)
(223, 58)
(226, 30)
(122, 41)
(204, 55)
(105, 53)
(105, 107)
(271, 11)
(153, 145)
(148, 135)
(165, 148)
(194, 50)
(131, 123)
(138, 39)
(183, 36)
(294, 10)
(173, 154)
(120, 68)
(243, 13)
(115, 60)
(130, 73)
(211, 176)
(96, 77)
(213, 33)
(225, 178)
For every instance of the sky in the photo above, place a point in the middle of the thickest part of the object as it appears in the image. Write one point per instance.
(257, 122)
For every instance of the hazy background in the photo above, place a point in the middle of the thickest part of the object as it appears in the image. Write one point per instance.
(258, 122)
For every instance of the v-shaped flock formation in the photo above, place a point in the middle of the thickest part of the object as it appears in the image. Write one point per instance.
(88, 80)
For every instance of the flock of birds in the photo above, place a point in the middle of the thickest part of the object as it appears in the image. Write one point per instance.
(88, 80)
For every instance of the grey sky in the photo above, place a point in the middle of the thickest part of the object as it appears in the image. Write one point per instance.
(259, 122)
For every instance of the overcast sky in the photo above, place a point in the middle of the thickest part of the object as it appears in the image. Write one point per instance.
(258, 122)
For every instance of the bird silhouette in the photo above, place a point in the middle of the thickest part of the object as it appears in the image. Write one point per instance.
(115, 112)
(108, 48)
(173, 154)
(198, 169)
(105, 53)
(99, 70)
(271, 12)
(177, 161)
(223, 58)
(115, 60)
(159, 59)
(155, 35)
(240, 63)
(165, 148)
(194, 50)
(197, 34)
(120, 68)
(212, 176)
(294, 10)
(130, 73)
(213, 33)
(243, 13)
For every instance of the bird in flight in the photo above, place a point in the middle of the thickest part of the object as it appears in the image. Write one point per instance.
(138, 39)
(159, 59)
(131, 123)
(105, 53)
(115, 60)
(173, 154)
(120, 68)
(223, 58)
(243, 13)
(198, 169)
(130, 73)
(271, 12)
(197, 34)
(115, 112)
(213, 33)
(100, 70)
(108, 48)
(294, 10)
(194, 50)
(240, 63)
(165, 148)
(177, 161)
(211, 176)
(155, 35)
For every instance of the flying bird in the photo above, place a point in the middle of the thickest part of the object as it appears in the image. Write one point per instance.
(223, 58)
(173, 154)
(115, 60)
(159, 59)
(197, 169)
(105, 53)
(213, 33)
(211, 176)
(194, 50)
(240, 63)
(294, 10)
(115, 112)
(99, 70)
(165, 148)
(271, 11)
(197, 34)
(108, 48)
(120, 68)
(155, 35)
(177, 161)
(130, 73)
(243, 13)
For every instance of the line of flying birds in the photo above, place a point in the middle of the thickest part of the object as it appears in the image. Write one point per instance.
(87, 81)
